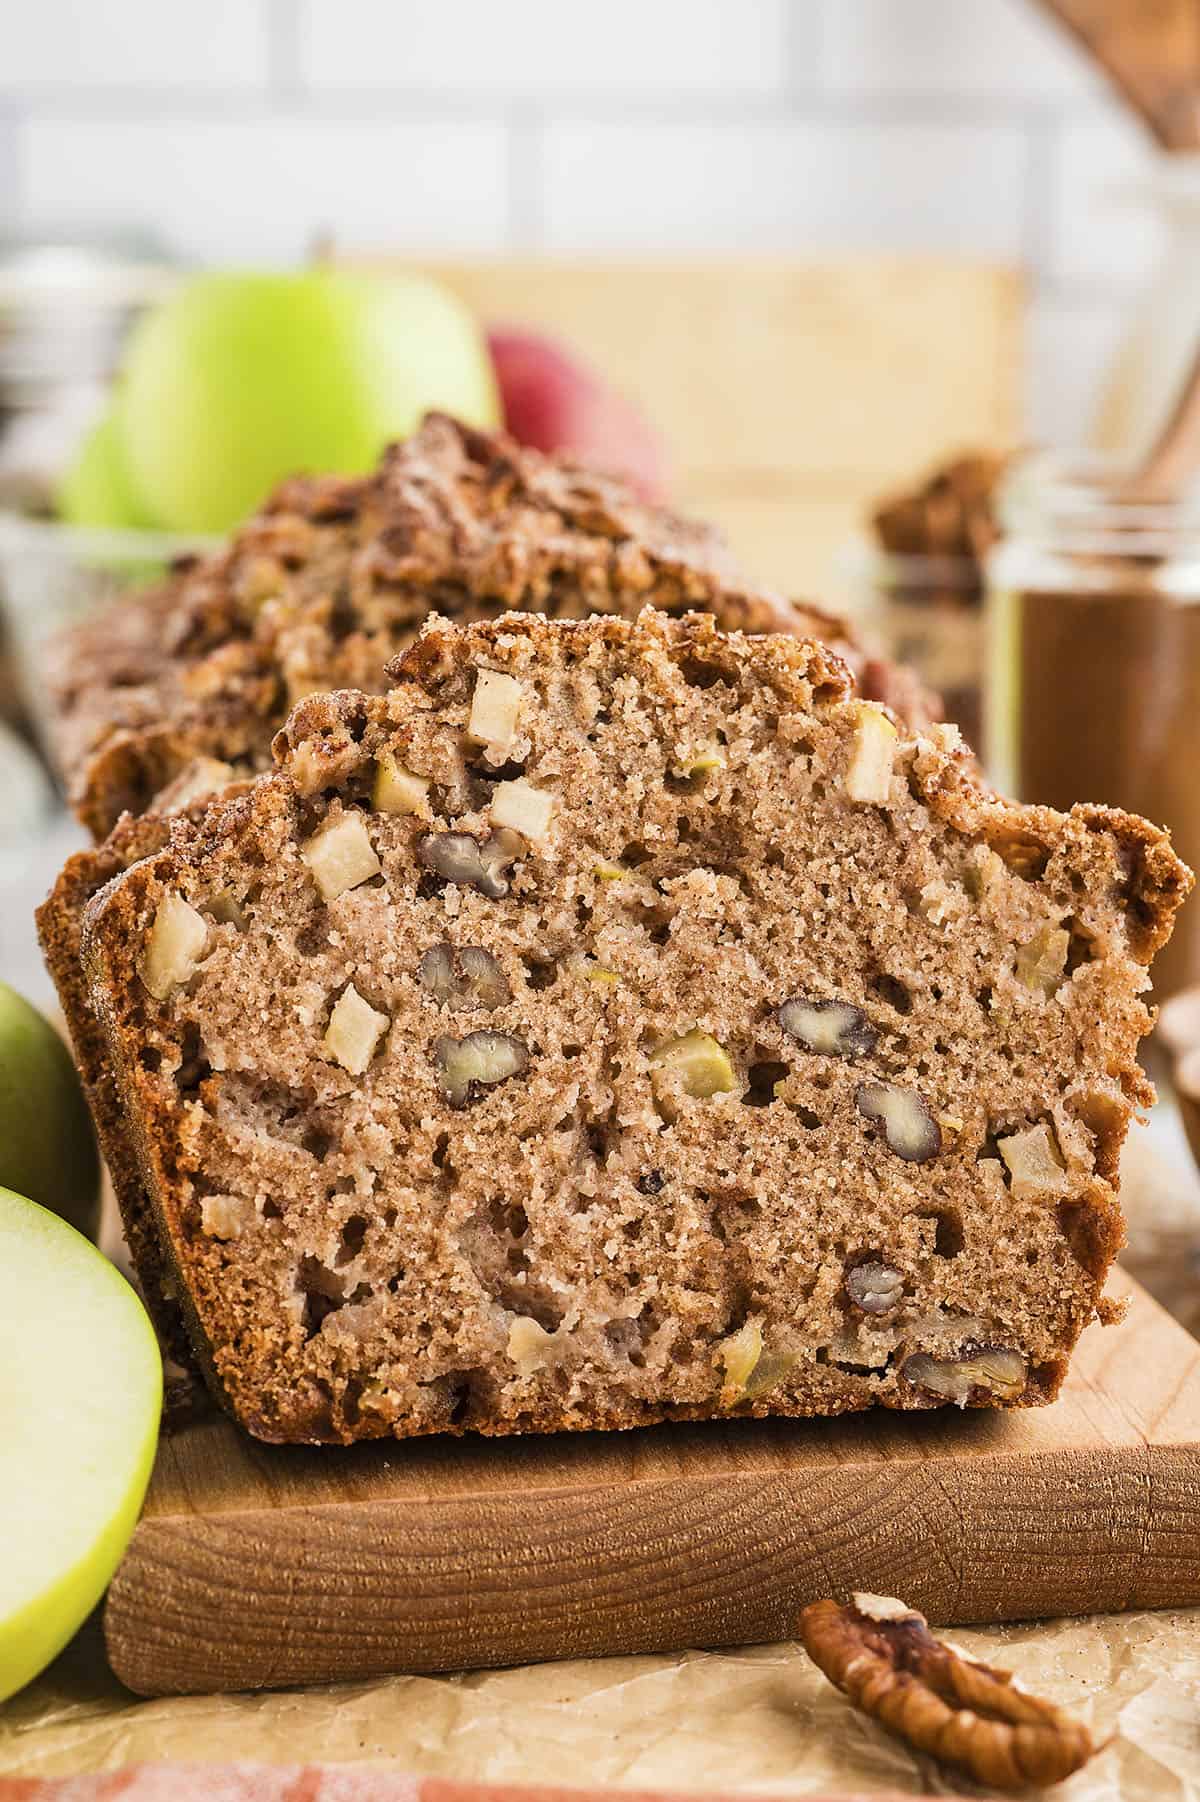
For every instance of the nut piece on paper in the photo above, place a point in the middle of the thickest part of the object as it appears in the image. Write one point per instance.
(882, 1655)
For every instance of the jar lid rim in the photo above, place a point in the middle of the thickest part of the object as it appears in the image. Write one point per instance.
(1063, 494)
(865, 560)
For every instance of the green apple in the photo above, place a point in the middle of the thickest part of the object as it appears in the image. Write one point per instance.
(239, 379)
(80, 1398)
(47, 1147)
(95, 491)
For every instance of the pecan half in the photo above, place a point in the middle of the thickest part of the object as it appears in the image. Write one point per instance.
(976, 1373)
(836, 1028)
(476, 863)
(874, 1287)
(909, 1128)
(463, 976)
(479, 1061)
(883, 1656)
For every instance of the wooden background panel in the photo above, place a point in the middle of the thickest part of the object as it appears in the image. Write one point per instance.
(799, 542)
(790, 394)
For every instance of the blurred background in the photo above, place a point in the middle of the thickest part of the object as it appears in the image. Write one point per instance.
(262, 131)
(250, 130)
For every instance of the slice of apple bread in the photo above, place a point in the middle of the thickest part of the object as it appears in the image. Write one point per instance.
(188, 684)
(59, 925)
(619, 1022)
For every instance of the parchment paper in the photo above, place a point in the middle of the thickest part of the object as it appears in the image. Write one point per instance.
(753, 1719)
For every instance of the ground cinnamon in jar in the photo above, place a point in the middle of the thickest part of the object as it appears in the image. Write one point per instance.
(1093, 680)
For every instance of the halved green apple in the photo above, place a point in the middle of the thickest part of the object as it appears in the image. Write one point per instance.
(80, 1398)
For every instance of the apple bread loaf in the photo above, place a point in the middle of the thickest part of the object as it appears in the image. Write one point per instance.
(617, 1022)
(188, 684)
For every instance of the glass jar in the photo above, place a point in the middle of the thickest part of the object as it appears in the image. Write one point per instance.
(1162, 333)
(1093, 659)
(926, 612)
(66, 304)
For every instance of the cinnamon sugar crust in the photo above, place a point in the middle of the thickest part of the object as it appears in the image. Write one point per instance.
(335, 576)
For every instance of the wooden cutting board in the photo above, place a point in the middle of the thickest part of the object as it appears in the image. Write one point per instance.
(262, 1566)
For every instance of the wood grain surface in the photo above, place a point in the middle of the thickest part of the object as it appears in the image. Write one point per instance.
(790, 394)
(1150, 50)
(260, 1566)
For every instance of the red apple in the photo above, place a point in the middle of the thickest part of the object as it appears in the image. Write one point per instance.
(554, 402)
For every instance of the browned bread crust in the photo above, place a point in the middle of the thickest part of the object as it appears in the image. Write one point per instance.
(59, 924)
(335, 576)
(588, 1241)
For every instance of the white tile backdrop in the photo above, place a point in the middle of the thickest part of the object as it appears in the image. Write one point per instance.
(243, 129)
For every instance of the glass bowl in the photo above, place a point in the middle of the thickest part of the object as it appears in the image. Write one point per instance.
(52, 575)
